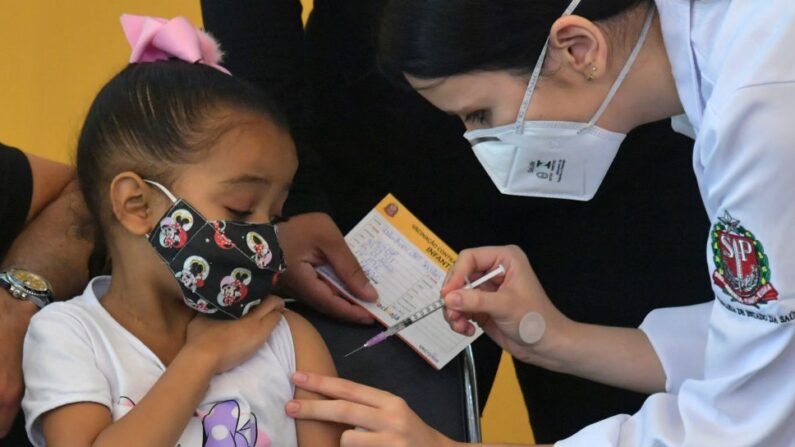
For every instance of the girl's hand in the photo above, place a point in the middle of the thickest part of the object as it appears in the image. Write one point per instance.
(227, 344)
(499, 305)
(386, 419)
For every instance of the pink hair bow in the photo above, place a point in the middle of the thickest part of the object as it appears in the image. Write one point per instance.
(156, 39)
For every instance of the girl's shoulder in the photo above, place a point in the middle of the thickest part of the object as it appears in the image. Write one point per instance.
(295, 344)
(297, 325)
(79, 311)
(305, 338)
(282, 342)
(311, 352)
(79, 324)
(61, 359)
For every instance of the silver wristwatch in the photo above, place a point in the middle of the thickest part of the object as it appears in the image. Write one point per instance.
(28, 286)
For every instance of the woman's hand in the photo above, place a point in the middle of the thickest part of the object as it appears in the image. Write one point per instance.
(227, 344)
(499, 305)
(386, 419)
(313, 239)
(621, 357)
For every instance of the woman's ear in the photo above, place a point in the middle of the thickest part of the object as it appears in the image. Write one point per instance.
(132, 200)
(580, 44)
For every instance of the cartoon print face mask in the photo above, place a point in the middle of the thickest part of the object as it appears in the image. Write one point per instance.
(224, 268)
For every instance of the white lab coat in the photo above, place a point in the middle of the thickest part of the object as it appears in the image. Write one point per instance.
(730, 363)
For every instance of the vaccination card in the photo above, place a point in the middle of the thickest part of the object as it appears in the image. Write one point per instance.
(406, 263)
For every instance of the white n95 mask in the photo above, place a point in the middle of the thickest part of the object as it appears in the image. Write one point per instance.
(553, 159)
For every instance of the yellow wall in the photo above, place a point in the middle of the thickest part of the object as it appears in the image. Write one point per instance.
(55, 57)
(505, 416)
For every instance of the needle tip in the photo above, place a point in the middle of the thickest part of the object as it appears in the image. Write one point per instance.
(354, 351)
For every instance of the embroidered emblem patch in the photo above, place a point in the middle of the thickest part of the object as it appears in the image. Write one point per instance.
(741, 267)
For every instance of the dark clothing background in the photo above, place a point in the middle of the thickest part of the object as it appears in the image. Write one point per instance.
(17, 436)
(16, 191)
(638, 245)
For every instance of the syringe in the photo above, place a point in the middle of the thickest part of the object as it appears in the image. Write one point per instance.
(424, 312)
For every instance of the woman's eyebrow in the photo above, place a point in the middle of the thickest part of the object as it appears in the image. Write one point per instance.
(248, 178)
(431, 84)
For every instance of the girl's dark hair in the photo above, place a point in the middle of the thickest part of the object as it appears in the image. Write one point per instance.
(439, 38)
(153, 116)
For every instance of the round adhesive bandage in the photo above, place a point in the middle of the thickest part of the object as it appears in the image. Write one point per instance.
(532, 327)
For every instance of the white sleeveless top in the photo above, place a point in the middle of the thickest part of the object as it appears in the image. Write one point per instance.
(76, 352)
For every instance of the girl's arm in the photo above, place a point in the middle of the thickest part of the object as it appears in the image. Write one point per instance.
(160, 418)
(312, 355)
(157, 420)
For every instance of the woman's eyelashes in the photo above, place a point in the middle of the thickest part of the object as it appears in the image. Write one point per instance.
(477, 118)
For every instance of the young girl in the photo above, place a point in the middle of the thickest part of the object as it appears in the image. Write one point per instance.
(185, 167)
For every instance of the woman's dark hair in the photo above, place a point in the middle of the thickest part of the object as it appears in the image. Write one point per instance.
(151, 117)
(439, 38)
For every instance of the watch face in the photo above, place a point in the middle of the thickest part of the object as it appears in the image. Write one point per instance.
(30, 280)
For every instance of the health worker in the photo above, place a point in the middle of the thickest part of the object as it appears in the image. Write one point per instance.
(548, 89)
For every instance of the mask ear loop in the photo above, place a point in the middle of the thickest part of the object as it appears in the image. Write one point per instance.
(528, 94)
(164, 190)
(531, 86)
(624, 71)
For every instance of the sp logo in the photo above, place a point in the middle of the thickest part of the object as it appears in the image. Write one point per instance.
(741, 266)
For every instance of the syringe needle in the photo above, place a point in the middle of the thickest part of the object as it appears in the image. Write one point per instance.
(394, 329)
(378, 338)
(354, 351)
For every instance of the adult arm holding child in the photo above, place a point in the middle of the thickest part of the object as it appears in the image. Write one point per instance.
(47, 231)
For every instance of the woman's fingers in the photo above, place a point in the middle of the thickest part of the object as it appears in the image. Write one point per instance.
(355, 404)
(472, 262)
(452, 315)
(465, 328)
(361, 438)
(461, 325)
(337, 388)
(474, 301)
(340, 411)
(388, 418)
(460, 322)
